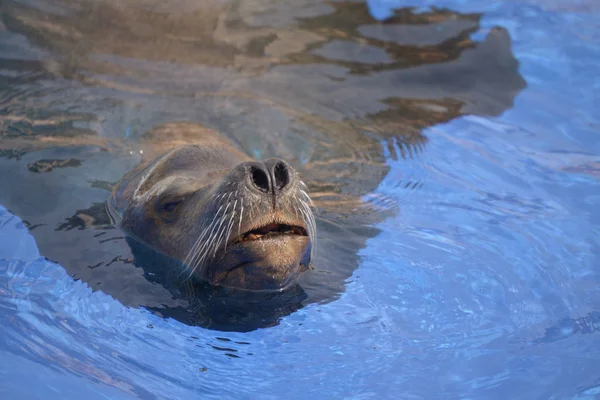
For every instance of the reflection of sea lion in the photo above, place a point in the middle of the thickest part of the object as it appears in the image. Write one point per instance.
(233, 221)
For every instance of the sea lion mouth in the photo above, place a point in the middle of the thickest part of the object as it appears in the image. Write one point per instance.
(270, 231)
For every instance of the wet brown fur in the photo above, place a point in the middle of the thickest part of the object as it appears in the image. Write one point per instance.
(209, 177)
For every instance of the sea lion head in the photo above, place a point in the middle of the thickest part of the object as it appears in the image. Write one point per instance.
(232, 221)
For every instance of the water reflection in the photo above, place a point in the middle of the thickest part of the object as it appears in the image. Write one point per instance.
(321, 84)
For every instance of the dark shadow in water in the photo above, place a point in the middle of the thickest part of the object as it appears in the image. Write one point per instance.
(321, 84)
(568, 327)
(213, 307)
(49, 165)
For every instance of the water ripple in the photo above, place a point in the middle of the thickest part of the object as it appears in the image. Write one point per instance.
(474, 229)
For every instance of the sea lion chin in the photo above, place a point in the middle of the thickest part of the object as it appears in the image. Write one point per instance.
(231, 221)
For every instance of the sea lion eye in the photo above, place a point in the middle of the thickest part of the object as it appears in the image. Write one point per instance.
(170, 206)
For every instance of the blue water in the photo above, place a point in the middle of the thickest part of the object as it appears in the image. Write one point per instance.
(485, 283)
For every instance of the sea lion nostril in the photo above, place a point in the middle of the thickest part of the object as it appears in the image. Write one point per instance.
(260, 178)
(282, 175)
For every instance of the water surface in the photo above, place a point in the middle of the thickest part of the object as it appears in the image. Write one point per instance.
(451, 150)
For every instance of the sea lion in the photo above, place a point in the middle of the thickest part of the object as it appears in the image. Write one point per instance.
(230, 220)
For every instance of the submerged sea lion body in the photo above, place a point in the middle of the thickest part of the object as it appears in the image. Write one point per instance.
(231, 220)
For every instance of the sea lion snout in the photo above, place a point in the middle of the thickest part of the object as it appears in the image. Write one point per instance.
(272, 231)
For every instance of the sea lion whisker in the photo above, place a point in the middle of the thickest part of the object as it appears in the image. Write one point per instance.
(314, 225)
(311, 223)
(192, 263)
(310, 202)
(197, 242)
(192, 253)
(201, 252)
(217, 233)
(216, 242)
(208, 244)
(198, 259)
(306, 213)
(240, 222)
(310, 228)
(231, 222)
(205, 248)
(222, 196)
